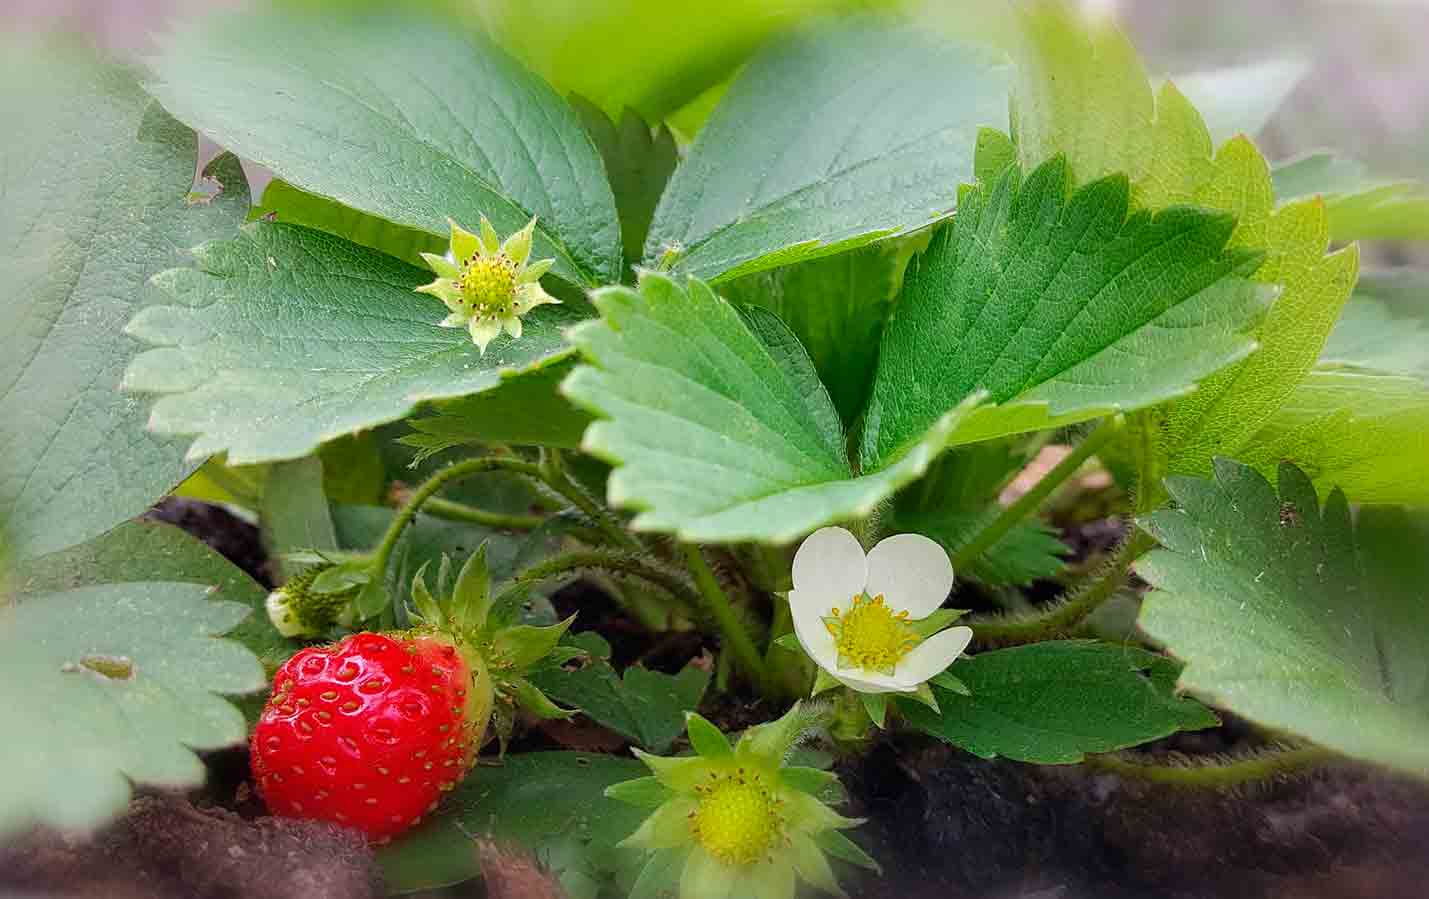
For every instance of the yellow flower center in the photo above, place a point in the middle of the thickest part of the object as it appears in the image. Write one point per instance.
(737, 819)
(870, 635)
(488, 284)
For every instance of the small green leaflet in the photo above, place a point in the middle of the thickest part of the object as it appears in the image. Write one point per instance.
(720, 434)
(829, 139)
(285, 338)
(111, 675)
(1360, 207)
(398, 117)
(524, 409)
(83, 230)
(1060, 309)
(550, 803)
(1052, 703)
(1321, 622)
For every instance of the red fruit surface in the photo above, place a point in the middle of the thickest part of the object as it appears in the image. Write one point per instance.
(367, 733)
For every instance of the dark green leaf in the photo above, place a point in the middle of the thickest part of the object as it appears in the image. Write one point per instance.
(295, 512)
(96, 182)
(647, 707)
(638, 160)
(397, 117)
(1294, 615)
(284, 203)
(285, 338)
(1051, 703)
(828, 140)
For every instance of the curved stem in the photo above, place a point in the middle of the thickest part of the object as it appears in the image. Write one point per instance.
(455, 472)
(615, 563)
(1065, 616)
(731, 628)
(1260, 767)
(451, 510)
(1029, 501)
(553, 474)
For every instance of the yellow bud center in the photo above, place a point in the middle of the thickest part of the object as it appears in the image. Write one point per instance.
(737, 819)
(488, 284)
(870, 635)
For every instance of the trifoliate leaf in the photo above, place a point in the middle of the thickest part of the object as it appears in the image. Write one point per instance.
(828, 140)
(1060, 308)
(536, 801)
(1051, 703)
(84, 229)
(110, 675)
(836, 306)
(395, 116)
(717, 438)
(1360, 206)
(1083, 93)
(1295, 616)
(286, 337)
(1361, 432)
(647, 707)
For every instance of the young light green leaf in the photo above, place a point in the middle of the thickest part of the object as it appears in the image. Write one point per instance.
(1360, 206)
(1364, 433)
(1322, 621)
(828, 140)
(718, 438)
(1370, 336)
(836, 306)
(647, 707)
(115, 685)
(535, 801)
(82, 232)
(1060, 309)
(295, 512)
(1051, 703)
(287, 337)
(398, 117)
(282, 202)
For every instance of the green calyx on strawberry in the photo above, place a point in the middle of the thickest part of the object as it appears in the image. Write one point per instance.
(371, 731)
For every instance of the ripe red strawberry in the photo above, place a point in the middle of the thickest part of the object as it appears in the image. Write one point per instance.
(369, 732)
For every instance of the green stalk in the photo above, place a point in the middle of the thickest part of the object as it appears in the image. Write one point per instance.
(1218, 775)
(450, 510)
(553, 474)
(1033, 498)
(1064, 617)
(736, 637)
(614, 563)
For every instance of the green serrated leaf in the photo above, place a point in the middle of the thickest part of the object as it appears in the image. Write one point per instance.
(647, 707)
(1061, 308)
(282, 202)
(1360, 206)
(83, 231)
(836, 306)
(1329, 615)
(826, 141)
(398, 117)
(532, 801)
(1364, 433)
(311, 337)
(295, 511)
(639, 161)
(1053, 702)
(719, 437)
(115, 684)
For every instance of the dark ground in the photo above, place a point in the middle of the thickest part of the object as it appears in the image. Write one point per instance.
(942, 823)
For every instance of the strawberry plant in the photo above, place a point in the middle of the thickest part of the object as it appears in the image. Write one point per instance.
(635, 446)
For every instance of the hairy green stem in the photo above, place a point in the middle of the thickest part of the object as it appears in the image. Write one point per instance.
(736, 637)
(450, 510)
(1033, 498)
(614, 563)
(1236, 772)
(554, 475)
(1065, 616)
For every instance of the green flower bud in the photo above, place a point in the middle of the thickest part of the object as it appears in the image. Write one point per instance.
(297, 610)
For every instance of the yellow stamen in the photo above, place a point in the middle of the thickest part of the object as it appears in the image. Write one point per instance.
(737, 819)
(871, 636)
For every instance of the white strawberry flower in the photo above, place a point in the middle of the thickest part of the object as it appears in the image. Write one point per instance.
(869, 620)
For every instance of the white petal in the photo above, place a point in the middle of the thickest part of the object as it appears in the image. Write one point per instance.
(808, 612)
(872, 682)
(912, 572)
(933, 656)
(830, 565)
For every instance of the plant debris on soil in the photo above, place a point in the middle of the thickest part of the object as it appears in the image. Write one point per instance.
(941, 822)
